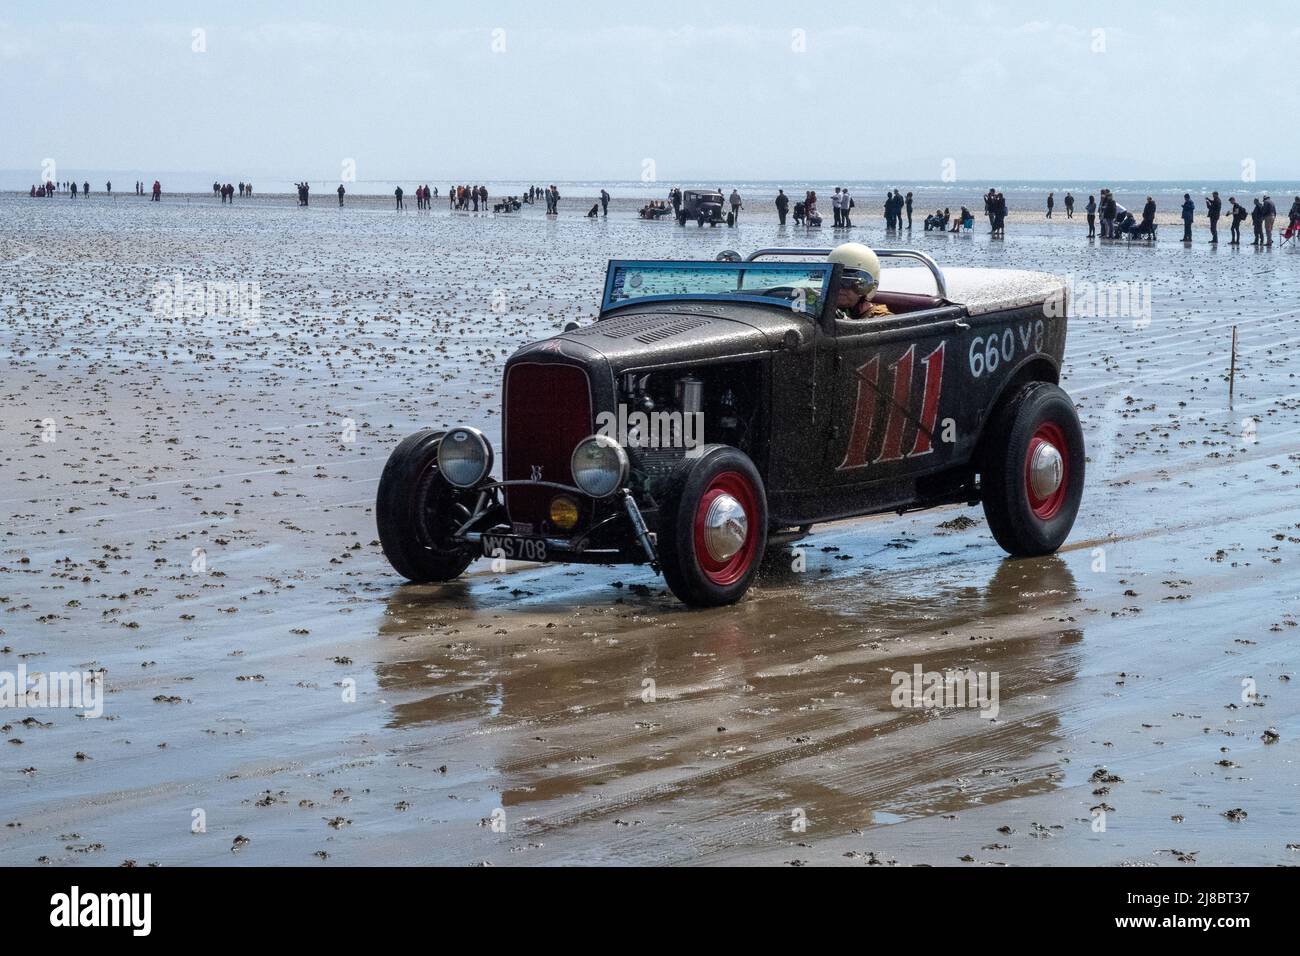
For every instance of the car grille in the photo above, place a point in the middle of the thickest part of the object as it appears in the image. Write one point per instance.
(547, 412)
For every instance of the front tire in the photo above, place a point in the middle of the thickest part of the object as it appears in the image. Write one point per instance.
(1032, 472)
(416, 510)
(713, 527)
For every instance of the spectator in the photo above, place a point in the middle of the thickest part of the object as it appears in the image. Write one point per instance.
(1189, 211)
(1238, 214)
(1147, 227)
(1214, 208)
(1109, 210)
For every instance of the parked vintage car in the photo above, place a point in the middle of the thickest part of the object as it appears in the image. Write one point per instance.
(701, 206)
(719, 408)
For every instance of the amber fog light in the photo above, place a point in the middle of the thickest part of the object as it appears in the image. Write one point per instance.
(564, 512)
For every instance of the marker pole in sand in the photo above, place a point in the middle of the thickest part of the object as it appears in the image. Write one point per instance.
(1232, 367)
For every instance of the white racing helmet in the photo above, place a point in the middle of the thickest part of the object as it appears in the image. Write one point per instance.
(861, 266)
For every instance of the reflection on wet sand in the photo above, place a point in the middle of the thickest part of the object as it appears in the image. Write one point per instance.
(589, 714)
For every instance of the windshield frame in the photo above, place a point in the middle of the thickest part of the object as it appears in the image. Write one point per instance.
(608, 304)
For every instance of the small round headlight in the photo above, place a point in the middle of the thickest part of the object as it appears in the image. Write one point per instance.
(599, 466)
(564, 512)
(464, 456)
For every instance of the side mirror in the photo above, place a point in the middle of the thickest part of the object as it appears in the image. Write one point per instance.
(570, 326)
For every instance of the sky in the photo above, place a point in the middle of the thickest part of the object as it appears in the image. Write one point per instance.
(485, 91)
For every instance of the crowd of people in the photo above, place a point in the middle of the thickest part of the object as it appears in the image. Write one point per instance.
(1117, 222)
(895, 204)
(50, 188)
(805, 210)
(1107, 218)
(227, 191)
(423, 197)
(552, 200)
(463, 197)
(655, 209)
(941, 220)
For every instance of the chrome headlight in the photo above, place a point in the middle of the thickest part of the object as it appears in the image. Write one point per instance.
(599, 466)
(464, 456)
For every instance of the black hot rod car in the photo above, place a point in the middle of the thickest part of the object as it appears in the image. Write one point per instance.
(719, 408)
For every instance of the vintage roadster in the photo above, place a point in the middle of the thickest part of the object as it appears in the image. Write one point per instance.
(716, 409)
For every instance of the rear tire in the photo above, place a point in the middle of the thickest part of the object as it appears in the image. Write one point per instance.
(417, 510)
(709, 563)
(1032, 470)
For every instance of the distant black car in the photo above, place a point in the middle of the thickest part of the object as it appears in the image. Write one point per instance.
(719, 408)
(701, 206)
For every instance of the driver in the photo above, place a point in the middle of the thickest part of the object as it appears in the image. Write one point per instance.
(860, 277)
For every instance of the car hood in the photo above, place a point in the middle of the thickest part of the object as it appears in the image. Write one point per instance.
(679, 333)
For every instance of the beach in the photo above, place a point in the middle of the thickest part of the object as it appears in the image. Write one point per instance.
(187, 509)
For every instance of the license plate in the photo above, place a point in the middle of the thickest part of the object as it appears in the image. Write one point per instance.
(514, 548)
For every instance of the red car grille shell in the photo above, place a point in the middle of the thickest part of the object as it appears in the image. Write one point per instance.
(547, 411)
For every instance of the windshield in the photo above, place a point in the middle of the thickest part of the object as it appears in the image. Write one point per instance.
(798, 285)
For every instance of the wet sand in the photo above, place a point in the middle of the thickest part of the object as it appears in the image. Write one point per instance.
(517, 698)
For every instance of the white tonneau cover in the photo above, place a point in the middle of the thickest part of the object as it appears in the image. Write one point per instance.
(980, 290)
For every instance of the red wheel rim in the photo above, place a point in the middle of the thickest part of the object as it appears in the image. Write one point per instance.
(1045, 508)
(731, 570)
